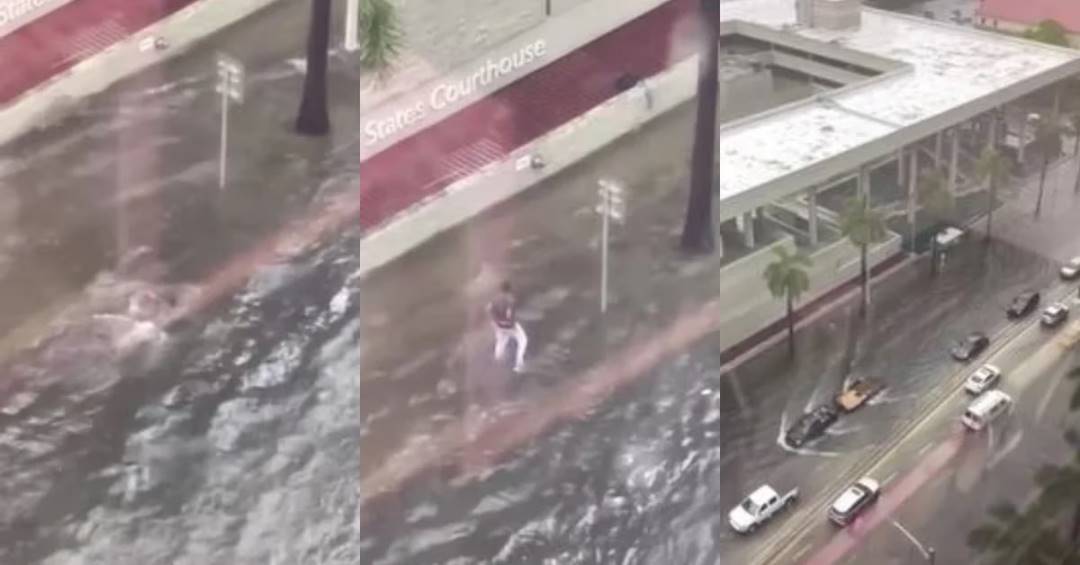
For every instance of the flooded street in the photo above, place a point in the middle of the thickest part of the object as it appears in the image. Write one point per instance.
(137, 428)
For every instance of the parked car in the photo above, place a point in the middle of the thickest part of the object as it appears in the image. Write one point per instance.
(857, 498)
(857, 393)
(759, 507)
(1023, 304)
(811, 425)
(970, 347)
(982, 380)
(1071, 270)
(1055, 314)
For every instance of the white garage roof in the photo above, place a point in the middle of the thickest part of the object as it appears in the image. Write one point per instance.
(949, 74)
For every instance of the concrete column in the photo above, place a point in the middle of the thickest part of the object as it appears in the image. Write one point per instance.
(913, 173)
(900, 167)
(954, 150)
(937, 150)
(748, 228)
(863, 183)
(1022, 135)
(1056, 113)
(811, 202)
(991, 134)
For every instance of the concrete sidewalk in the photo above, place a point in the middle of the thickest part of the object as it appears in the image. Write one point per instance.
(104, 42)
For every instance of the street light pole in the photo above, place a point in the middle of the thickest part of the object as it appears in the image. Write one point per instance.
(612, 206)
(230, 84)
(352, 23)
(928, 553)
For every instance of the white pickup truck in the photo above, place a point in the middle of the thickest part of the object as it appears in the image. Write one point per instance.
(759, 507)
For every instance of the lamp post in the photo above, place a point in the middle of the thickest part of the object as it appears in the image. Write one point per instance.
(612, 206)
(230, 84)
(928, 553)
(352, 23)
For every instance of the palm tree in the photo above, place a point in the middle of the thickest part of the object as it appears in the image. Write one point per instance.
(934, 196)
(787, 278)
(1048, 140)
(697, 235)
(993, 168)
(380, 42)
(863, 227)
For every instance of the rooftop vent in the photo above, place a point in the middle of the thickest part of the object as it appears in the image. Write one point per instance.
(828, 14)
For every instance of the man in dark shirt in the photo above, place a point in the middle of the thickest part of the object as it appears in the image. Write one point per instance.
(504, 319)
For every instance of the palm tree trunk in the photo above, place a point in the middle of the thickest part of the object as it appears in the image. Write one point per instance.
(1076, 144)
(864, 275)
(1042, 185)
(990, 208)
(313, 118)
(697, 236)
(790, 325)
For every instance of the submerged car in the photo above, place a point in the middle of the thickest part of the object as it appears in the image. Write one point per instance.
(1071, 270)
(1055, 314)
(857, 498)
(1023, 304)
(811, 425)
(970, 347)
(982, 380)
(857, 393)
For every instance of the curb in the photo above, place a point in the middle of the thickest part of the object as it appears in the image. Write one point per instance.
(51, 101)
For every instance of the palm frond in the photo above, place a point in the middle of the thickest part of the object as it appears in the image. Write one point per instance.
(381, 37)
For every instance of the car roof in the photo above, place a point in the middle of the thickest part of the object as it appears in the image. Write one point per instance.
(988, 399)
(762, 495)
(849, 498)
(1056, 307)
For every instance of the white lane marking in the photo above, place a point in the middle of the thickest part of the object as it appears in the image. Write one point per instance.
(1045, 402)
(925, 448)
(802, 551)
(1009, 447)
(890, 478)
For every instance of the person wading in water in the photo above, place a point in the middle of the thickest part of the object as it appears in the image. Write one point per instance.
(503, 312)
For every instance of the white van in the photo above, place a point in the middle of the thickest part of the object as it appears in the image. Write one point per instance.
(985, 408)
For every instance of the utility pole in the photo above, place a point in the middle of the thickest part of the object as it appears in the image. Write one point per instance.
(352, 25)
(612, 206)
(230, 84)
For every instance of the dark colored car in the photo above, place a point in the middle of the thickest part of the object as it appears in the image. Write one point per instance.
(811, 425)
(1023, 304)
(970, 347)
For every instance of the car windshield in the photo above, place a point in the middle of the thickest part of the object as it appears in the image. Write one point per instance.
(749, 506)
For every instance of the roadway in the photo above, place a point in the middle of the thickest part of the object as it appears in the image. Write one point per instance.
(939, 479)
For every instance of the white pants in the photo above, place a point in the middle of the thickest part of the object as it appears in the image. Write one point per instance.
(503, 337)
